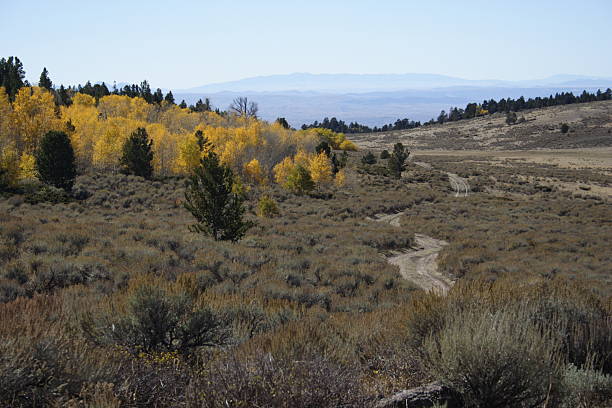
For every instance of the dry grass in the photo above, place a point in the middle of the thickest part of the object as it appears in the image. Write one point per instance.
(307, 291)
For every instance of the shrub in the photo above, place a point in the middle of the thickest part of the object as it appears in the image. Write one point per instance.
(511, 118)
(368, 158)
(564, 128)
(156, 319)
(299, 180)
(586, 388)
(137, 157)
(384, 154)
(267, 207)
(55, 161)
(265, 381)
(210, 197)
(493, 360)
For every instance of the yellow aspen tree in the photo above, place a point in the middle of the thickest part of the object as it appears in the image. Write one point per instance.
(320, 169)
(302, 158)
(254, 172)
(33, 116)
(9, 163)
(27, 166)
(107, 149)
(114, 106)
(189, 155)
(340, 178)
(282, 170)
(83, 100)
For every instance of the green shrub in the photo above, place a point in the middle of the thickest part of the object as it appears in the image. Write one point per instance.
(55, 161)
(384, 154)
(299, 181)
(155, 320)
(564, 128)
(586, 388)
(267, 207)
(493, 360)
(46, 194)
(137, 157)
(368, 158)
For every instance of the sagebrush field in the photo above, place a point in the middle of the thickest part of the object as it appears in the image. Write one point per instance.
(109, 300)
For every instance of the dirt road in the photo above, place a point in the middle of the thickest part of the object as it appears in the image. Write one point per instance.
(419, 264)
(459, 184)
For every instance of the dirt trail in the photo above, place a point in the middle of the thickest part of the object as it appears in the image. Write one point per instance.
(459, 184)
(420, 263)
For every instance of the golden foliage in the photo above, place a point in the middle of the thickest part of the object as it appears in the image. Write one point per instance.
(320, 168)
(251, 147)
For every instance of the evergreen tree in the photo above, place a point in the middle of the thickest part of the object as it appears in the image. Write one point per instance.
(183, 105)
(283, 122)
(45, 81)
(137, 155)
(203, 144)
(12, 76)
(158, 96)
(210, 197)
(397, 161)
(55, 161)
(368, 158)
(169, 98)
(323, 147)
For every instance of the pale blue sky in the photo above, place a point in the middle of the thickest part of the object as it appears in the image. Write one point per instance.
(181, 44)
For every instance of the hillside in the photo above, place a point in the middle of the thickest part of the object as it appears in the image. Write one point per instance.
(590, 125)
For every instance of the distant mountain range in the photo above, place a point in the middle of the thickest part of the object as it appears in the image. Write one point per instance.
(343, 83)
(375, 99)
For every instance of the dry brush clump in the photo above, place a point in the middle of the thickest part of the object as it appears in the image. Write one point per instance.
(507, 344)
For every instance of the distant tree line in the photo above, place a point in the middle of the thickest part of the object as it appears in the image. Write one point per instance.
(12, 78)
(471, 110)
(339, 126)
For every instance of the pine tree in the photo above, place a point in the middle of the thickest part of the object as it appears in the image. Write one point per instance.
(183, 104)
(55, 161)
(137, 155)
(283, 122)
(45, 81)
(210, 197)
(368, 158)
(397, 160)
(169, 98)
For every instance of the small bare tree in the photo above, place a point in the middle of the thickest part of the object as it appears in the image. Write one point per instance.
(242, 107)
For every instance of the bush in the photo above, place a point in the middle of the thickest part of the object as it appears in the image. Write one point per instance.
(586, 388)
(564, 128)
(368, 158)
(46, 194)
(493, 360)
(155, 319)
(267, 207)
(265, 381)
(137, 157)
(299, 181)
(55, 161)
(384, 154)
(511, 118)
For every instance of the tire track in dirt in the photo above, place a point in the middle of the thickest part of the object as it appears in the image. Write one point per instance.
(459, 184)
(418, 264)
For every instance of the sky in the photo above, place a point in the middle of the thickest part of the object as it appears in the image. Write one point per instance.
(183, 44)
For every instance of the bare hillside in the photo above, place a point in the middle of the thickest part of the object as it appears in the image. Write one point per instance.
(590, 125)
